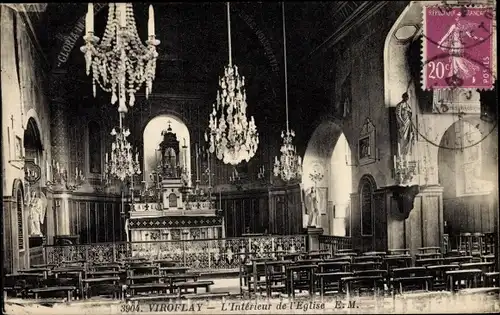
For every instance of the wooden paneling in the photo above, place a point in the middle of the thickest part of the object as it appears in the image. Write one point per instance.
(396, 228)
(469, 214)
(380, 220)
(275, 211)
(96, 219)
(356, 222)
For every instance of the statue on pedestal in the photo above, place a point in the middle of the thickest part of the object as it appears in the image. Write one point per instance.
(312, 204)
(37, 207)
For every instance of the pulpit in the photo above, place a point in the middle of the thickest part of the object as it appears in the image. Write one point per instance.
(172, 209)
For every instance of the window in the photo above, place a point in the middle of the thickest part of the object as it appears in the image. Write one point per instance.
(366, 196)
(94, 142)
(20, 225)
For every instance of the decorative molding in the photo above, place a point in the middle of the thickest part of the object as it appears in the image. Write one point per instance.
(174, 222)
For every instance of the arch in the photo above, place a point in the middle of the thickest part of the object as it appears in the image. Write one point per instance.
(33, 115)
(367, 178)
(460, 171)
(152, 138)
(32, 136)
(18, 195)
(328, 152)
(17, 185)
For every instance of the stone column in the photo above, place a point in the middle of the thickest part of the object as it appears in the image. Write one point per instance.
(60, 149)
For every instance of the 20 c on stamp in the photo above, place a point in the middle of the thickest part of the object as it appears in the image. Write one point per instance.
(457, 47)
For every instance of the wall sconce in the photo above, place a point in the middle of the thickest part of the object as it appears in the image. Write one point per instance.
(404, 169)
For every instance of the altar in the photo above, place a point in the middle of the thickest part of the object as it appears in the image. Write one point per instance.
(172, 210)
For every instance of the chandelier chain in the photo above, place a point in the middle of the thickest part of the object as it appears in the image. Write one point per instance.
(285, 66)
(229, 34)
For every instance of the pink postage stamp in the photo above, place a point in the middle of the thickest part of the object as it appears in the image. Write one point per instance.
(458, 47)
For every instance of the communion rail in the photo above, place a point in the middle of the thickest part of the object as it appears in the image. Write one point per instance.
(201, 254)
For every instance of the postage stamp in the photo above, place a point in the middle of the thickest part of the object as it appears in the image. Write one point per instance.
(458, 47)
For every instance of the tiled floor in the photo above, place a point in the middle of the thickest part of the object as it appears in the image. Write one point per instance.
(438, 302)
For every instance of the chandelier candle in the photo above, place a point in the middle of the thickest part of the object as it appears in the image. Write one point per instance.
(120, 63)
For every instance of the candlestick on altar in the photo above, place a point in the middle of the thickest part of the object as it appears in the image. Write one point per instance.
(197, 163)
(399, 150)
(209, 171)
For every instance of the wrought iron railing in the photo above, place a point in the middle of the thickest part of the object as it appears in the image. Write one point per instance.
(201, 254)
(334, 243)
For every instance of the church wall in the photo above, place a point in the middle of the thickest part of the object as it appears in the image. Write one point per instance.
(23, 97)
(349, 57)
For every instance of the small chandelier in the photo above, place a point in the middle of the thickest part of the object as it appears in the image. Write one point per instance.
(120, 63)
(404, 168)
(232, 137)
(289, 165)
(121, 163)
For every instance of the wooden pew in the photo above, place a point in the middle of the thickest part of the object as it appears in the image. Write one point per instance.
(439, 274)
(133, 289)
(68, 289)
(205, 295)
(103, 284)
(301, 277)
(193, 285)
(456, 277)
(153, 297)
(351, 284)
(331, 281)
(428, 262)
(412, 277)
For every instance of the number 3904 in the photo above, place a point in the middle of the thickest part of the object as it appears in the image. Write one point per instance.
(130, 308)
(437, 69)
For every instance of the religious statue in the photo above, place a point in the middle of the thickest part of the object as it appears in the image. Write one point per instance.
(37, 207)
(406, 133)
(313, 206)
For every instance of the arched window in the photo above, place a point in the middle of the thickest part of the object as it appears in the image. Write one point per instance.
(366, 195)
(94, 142)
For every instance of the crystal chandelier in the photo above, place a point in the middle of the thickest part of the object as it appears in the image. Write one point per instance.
(289, 165)
(120, 63)
(121, 163)
(232, 137)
